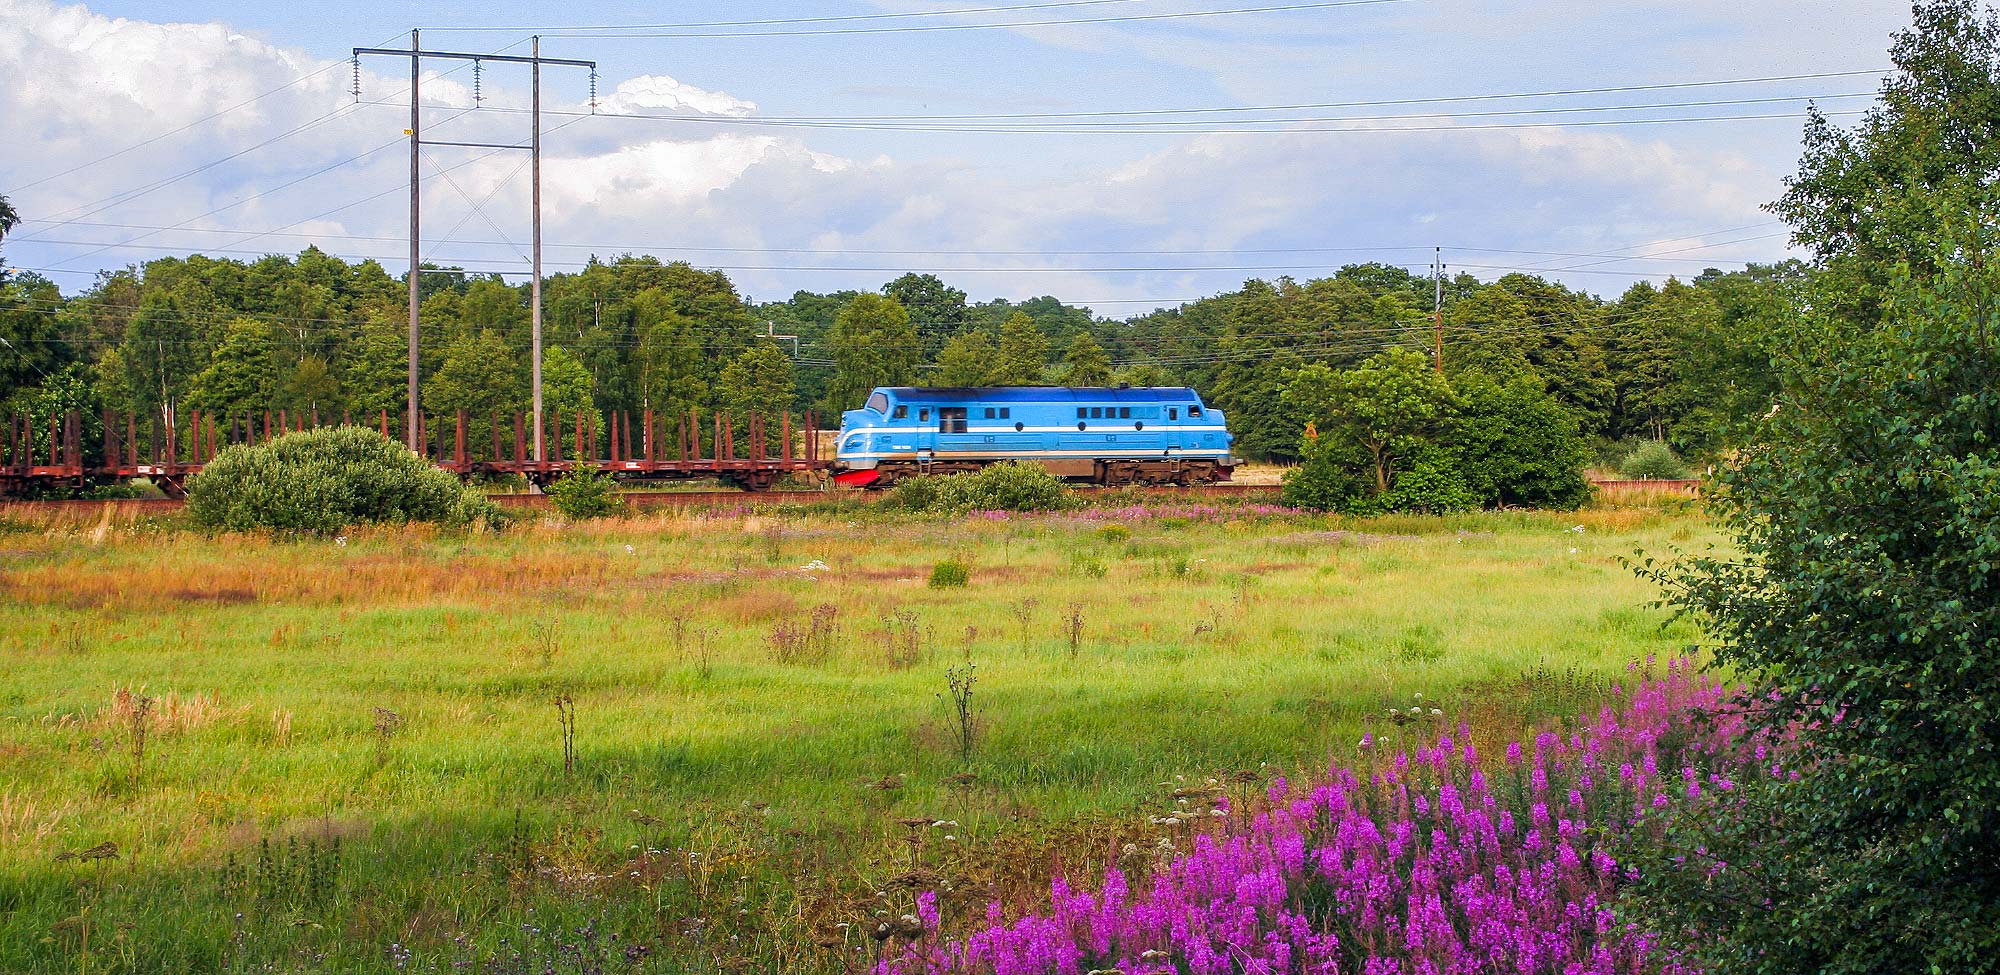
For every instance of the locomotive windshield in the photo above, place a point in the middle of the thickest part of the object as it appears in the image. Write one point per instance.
(878, 402)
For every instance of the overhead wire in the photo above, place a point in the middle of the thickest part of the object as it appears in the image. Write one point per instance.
(261, 193)
(1134, 130)
(1053, 120)
(935, 28)
(295, 82)
(792, 20)
(849, 251)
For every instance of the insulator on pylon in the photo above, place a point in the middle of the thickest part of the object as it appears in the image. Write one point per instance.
(356, 90)
(475, 82)
(593, 90)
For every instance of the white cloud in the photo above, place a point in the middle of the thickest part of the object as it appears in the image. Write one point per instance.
(76, 85)
(657, 91)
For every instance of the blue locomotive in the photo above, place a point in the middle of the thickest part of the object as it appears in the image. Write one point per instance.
(1099, 435)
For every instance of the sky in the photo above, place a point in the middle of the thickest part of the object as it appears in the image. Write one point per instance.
(1121, 154)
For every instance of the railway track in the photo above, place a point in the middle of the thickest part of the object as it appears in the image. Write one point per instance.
(643, 500)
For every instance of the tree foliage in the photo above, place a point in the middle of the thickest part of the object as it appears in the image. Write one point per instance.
(1863, 601)
(1024, 352)
(873, 345)
(1394, 435)
(322, 481)
(1085, 363)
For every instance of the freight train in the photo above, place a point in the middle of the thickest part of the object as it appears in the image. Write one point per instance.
(1096, 435)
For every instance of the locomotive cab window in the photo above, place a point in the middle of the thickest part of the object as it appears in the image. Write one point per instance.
(924, 415)
(879, 403)
(1173, 413)
(1193, 411)
(951, 419)
(902, 413)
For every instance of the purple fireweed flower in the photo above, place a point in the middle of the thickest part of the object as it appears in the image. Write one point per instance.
(1436, 864)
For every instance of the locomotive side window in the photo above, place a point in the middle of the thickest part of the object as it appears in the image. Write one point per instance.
(924, 415)
(1082, 413)
(902, 412)
(989, 413)
(951, 419)
(1124, 412)
(1173, 413)
(1193, 411)
(1006, 412)
(879, 403)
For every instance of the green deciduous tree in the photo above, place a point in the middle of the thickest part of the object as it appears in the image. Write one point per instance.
(238, 378)
(1862, 599)
(479, 376)
(1517, 445)
(758, 382)
(873, 345)
(1085, 364)
(966, 360)
(567, 387)
(1024, 352)
(1388, 408)
(937, 310)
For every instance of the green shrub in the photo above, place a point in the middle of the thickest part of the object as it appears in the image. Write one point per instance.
(585, 493)
(1329, 480)
(321, 481)
(1114, 533)
(916, 493)
(1432, 486)
(1654, 460)
(950, 574)
(1012, 486)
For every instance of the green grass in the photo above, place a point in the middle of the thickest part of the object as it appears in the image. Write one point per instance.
(772, 780)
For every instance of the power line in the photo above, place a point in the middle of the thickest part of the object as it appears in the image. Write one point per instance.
(931, 251)
(789, 20)
(126, 196)
(1129, 129)
(119, 199)
(901, 269)
(173, 132)
(930, 28)
(1365, 103)
(1147, 125)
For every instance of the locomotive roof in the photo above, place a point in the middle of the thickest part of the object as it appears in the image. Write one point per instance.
(1043, 394)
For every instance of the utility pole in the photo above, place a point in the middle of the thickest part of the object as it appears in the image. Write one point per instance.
(535, 284)
(1437, 305)
(416, 144)
(416, 55)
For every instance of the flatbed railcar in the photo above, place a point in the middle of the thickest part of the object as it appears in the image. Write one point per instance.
(1089, 434)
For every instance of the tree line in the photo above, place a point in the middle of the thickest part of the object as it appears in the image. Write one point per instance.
(314, 334)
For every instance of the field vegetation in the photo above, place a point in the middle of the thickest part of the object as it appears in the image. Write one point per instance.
(720, 740)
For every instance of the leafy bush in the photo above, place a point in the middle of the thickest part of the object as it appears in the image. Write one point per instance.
(1517, 445)
(1393, 435)
(1328, 479)
(1654, 460)
(321, 481)
(950, 574)
(916, 493)
(585, 493)
(1012, 486)
(1114, 533)
(1432, 486)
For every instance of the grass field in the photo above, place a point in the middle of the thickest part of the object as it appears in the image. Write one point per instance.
(350, 756)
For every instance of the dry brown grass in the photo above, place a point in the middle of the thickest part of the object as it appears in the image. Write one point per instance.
(305, 577)
(24, 820)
